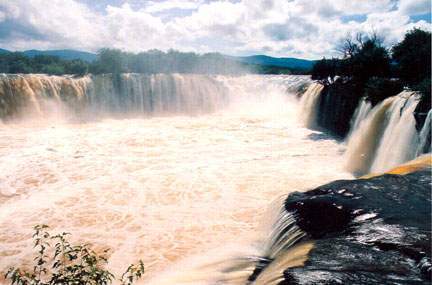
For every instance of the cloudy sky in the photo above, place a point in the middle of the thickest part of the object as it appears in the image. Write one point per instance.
(290, 28)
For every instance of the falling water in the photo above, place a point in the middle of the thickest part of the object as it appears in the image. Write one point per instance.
(156, 94)
(424, 145)
(186, 194)
(400, 140)
(386, 137)
(360, 114)
(274, 249)
(131, 94)
(309, 105)
(40, 95)
(282, 248)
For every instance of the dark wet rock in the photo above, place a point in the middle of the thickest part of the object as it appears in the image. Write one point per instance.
(259, 267)
(320, 136)
(421, 111)
(366, 231)
(420, 114)
(336, 107)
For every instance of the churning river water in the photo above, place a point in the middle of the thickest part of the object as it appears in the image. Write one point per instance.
(164, 189)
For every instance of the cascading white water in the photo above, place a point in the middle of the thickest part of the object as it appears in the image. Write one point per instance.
(386, 137)
(309, 105)
(129, 93)
(38, 95)
(424, 145)
(171, 190)
(360, 114)
(272, 250)
(155, 94)
(399, 141)
(178, 191)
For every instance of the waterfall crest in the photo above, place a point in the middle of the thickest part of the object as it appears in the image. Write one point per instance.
(122, 93)
(131, 93)
(38, 94)
(309, 105)
(385, 137)
(156, 94)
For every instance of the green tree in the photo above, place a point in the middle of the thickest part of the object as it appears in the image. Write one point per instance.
(362, 58)
(377, 89)
(46, 64)
(370, 60)
(109, 61)
(76, 66)
(17, 62)
(325, 70)
(53, 69)
(413, 56)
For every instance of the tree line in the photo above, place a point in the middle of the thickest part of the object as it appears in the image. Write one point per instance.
(18, 62)
(152, 61)
(377, 71)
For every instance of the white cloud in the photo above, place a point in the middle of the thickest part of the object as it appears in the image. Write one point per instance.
(301, 28)
(160, 6)
(132, 29)
(414, 7)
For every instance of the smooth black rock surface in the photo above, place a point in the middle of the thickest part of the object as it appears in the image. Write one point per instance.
(367, 231)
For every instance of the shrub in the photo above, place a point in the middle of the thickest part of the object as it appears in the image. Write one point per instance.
(68, 264)
(424, 87)
(378, 89)
(325, 70)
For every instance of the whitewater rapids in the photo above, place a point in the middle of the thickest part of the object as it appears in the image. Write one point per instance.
(161, 189)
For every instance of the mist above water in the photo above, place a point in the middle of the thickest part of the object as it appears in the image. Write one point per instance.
(163, 187)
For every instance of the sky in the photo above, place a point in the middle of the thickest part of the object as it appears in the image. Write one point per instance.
(309, 29)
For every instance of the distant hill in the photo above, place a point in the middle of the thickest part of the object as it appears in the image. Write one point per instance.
(264, 63)
(286, 62)
(67, 54)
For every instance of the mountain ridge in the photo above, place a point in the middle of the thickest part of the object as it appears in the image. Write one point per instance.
(288, 62)
(264, 60)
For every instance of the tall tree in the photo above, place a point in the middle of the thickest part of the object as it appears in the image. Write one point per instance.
(413, 56)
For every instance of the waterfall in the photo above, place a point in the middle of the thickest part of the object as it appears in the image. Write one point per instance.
(424, 145)
(360, 114)
(282, 246)
(385, 137)
(399, 141)
(286, 246)
(130, 93)
(309, 105)
(156, 94)
(107, 93)
(39, 94)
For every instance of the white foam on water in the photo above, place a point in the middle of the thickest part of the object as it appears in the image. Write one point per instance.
(161, 189)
